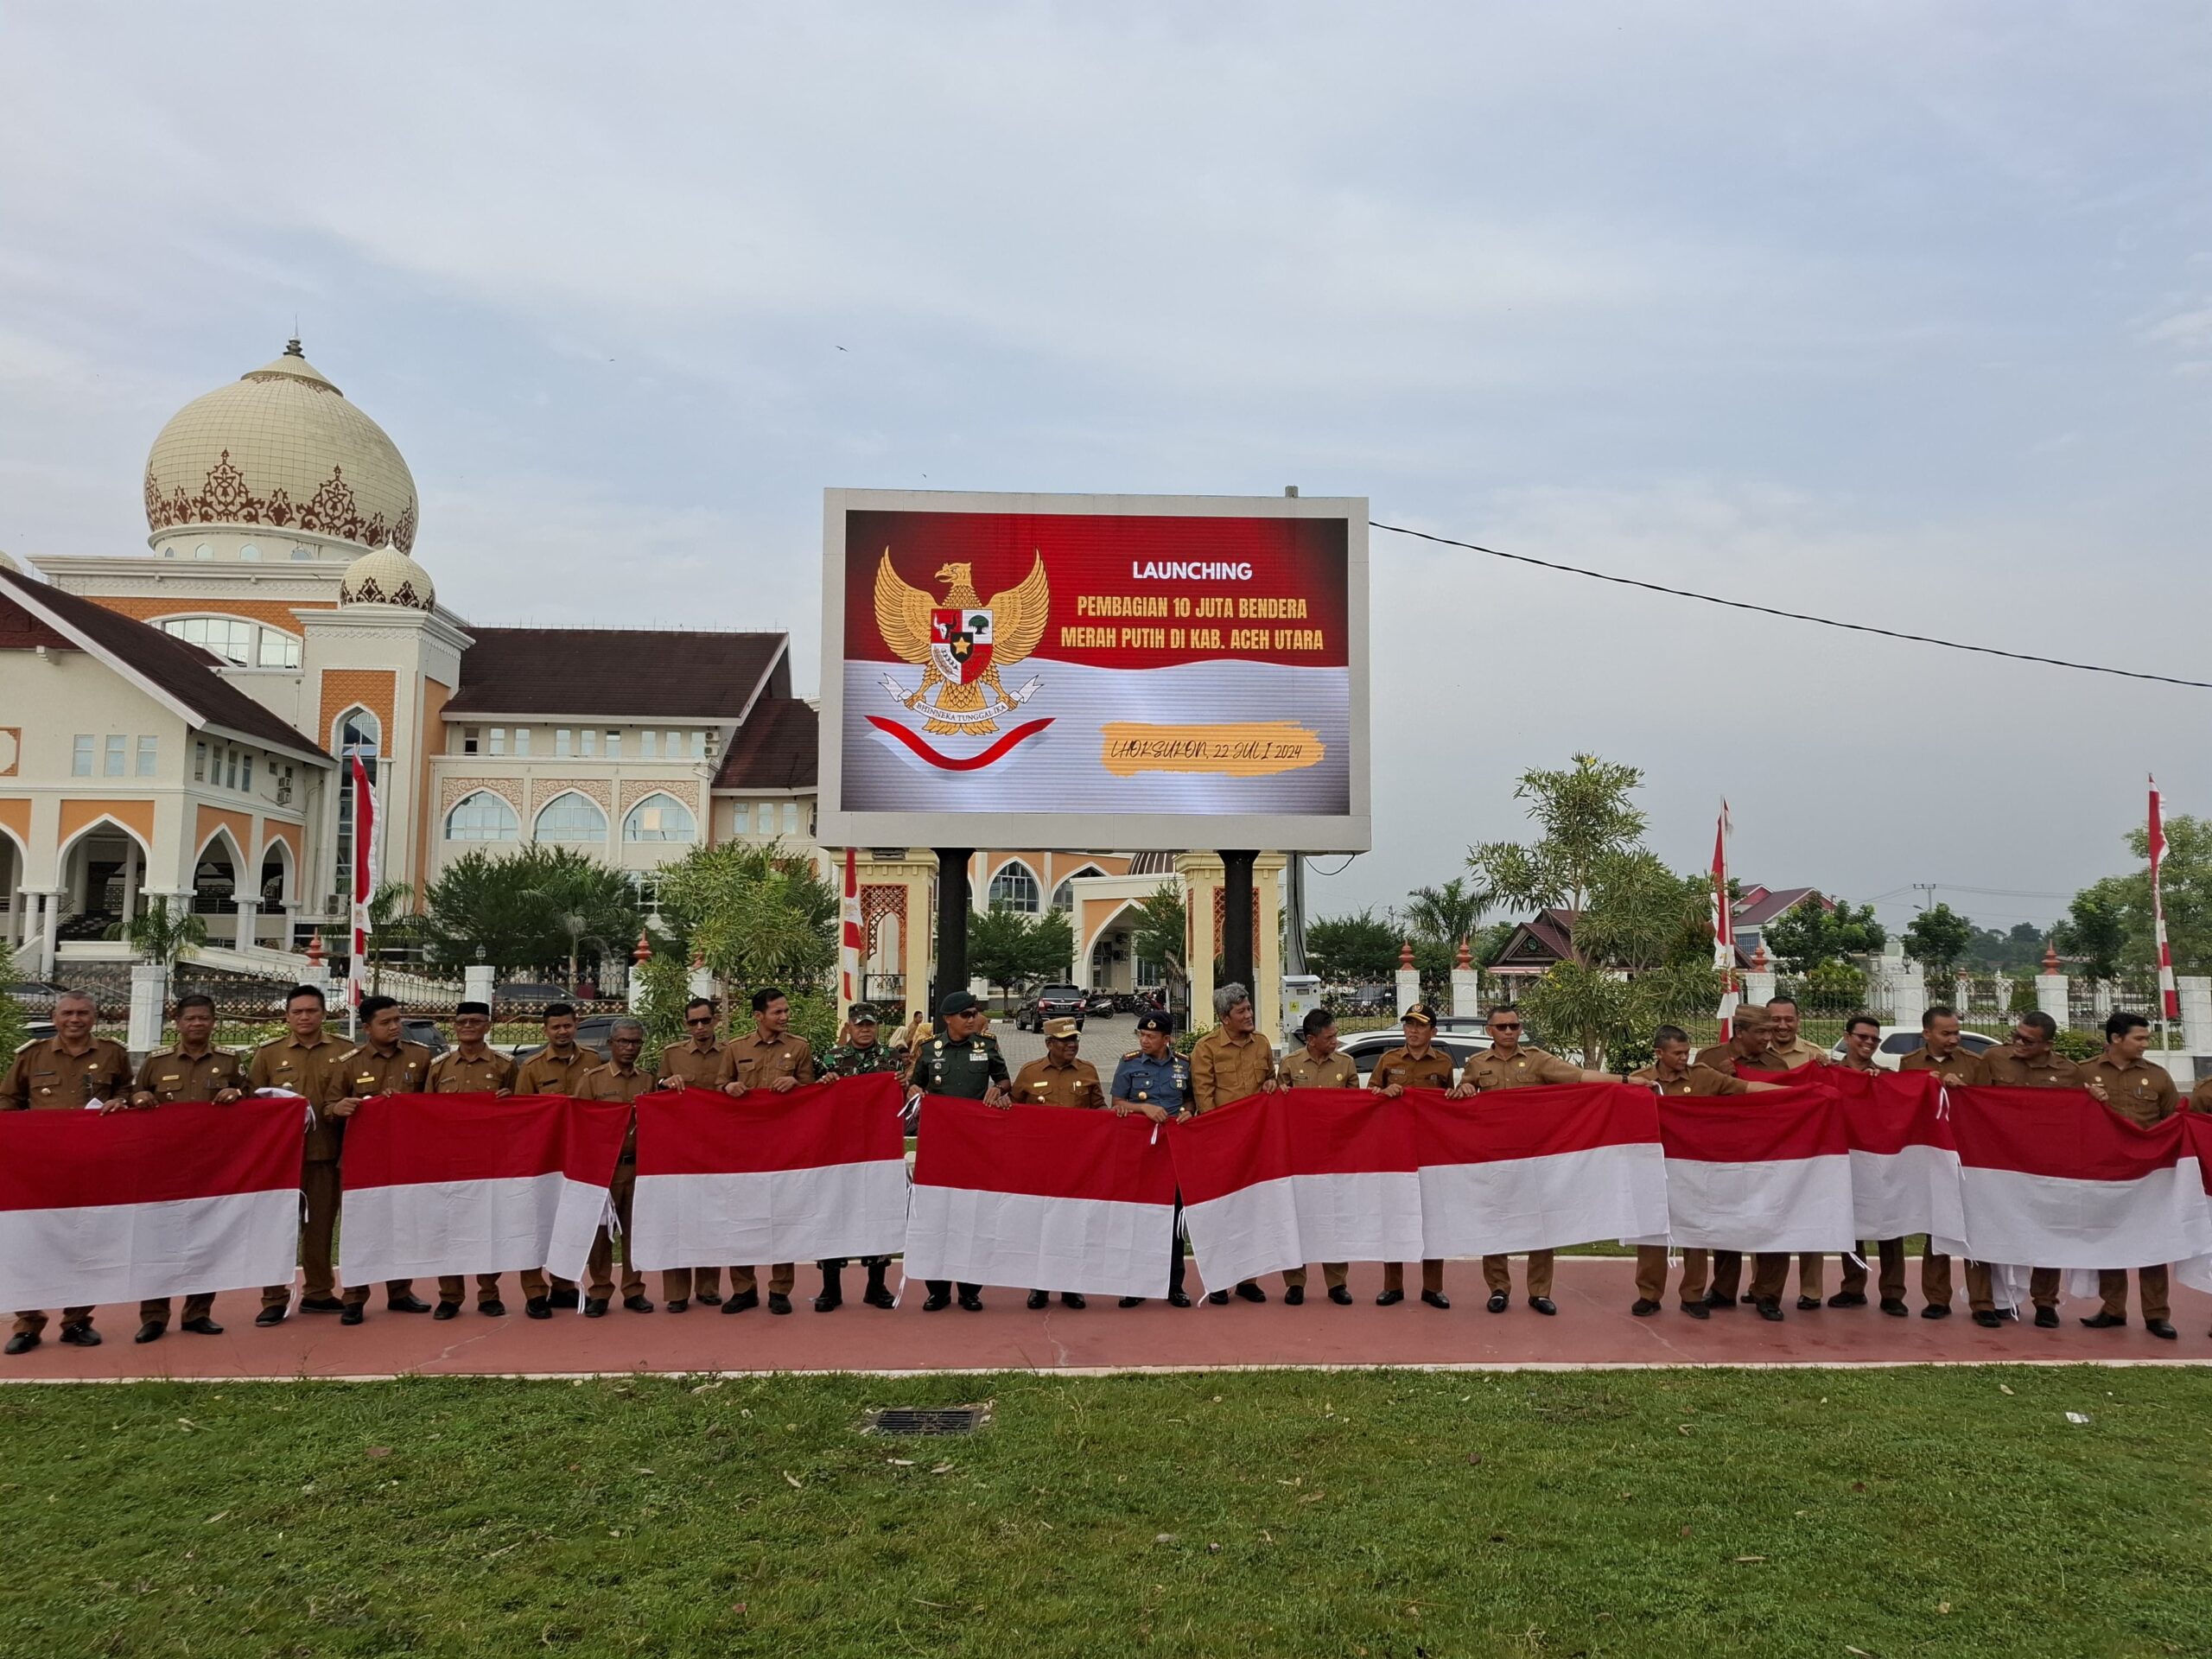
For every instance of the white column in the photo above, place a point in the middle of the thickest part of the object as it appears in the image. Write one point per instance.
(1759, 984)
(149, 993)
(476, 981)
(2052, 991)
(50, 919)
(1408, 987)
(702, 983)
(2196, 1013)
(249, 910)
(1467, 992)
(130, 859)
(1910, 998)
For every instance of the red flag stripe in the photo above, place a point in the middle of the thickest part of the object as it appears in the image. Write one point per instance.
(65, 1161)
(1049, 1152)
(698, 1132)
(410, 1140)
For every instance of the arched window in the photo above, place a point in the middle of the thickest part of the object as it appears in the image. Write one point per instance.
(240, 643)
(355, 732)
(1064, 895)
(1016, 888)
(571, 817)
(482, 817)
(659, 817)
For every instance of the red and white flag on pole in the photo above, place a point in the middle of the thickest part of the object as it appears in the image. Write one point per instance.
(364, 878)
(818, 1172)
(99, 1208)
(1040, 1197)
(1315, 1175)
(2169, 993)
(1521, 1169)
(452, 1184)
(1724, 925)
(1765, 1171)
(849, 949)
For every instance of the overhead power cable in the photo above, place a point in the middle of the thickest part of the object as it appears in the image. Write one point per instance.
(1790, 616)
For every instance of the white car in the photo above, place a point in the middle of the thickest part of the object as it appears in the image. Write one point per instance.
(1897, 1041)
(1365, 1047)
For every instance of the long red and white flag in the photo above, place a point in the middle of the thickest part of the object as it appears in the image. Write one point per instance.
(1314, 1175)
(455, 1184)
(364, 874)
(113, 1208)
(1724, 925)
(1041, 1197)
(1765, 1171)
(1532, 1169)
(818, 1172)
(1905, 1163)
(2169, 992)
(849, 945)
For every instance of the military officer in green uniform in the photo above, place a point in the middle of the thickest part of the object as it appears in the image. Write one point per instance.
(867, 1053)
(962, 1061)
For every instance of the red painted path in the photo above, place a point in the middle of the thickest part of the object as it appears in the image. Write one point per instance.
(1593, 1328)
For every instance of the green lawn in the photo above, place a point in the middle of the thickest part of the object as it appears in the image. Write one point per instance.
(1884, 1513)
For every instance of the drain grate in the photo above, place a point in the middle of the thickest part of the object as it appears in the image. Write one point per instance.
(928, 1419)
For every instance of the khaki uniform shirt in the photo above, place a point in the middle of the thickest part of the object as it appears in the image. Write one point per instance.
(1698, 1080)
(1487, 1068)
(611, 1082)
(1223, 1068)
(756, 1061)
(305, 1069)
(1961, 1068)
(44, 1076)
(691, 1066)
(2005, 1069)
(1432, 1070)
(1724, 1056)
(2200, 1098)
(1041, 1083)
(1848, 1063)
(548, 1073)
(1799, 1054)
(361, 1072)
(1300, 1070)
(174, 1076)
(455, 1073)
(2143, 1093)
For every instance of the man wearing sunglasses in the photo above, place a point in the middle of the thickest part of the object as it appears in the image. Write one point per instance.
(695, 1063)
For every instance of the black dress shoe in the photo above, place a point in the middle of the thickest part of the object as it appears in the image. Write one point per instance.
(1038, 1299)
(1936, 1310)
(595, 1308)
(1436, 1298)
(538, 1308)
(1251, 1293)
(1810, 1304)
(269, 1316)
(1178, 1298)
(828, 1302)
(678, 1304)
(1895, 1310)
(1390, 1298)
(1544, 1305)
(1748, 1300)
(1217, 1298)
(2102, 1321)
(408, 1304)
(1340, 1295)
(80, 1335)
(1130, 1301)
(202, 1326)
(971, 1301)
(937, 1302)
(563, 1298)
(2046, 1319)
(150, 1331)
(352, 1313)
(1643, 1307)
(322, 1304)
(1499, 1301)
(21, 1343)
(879, 1296)
(778, 1302)
(1989, 1318)
(446, 1311)
(1847, 1299)
(638, 1304)
(1294, 1295)
(743, 1304)
(708, 1299)
(1720, 1304)
(1770, 1311)
(1698, 1309)
(492, 1308)
(1073, 1298)
(2161, 1329)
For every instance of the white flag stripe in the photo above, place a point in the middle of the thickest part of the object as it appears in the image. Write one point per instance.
(1792, 1204)
(1097, 1247)
(2054, 1222)
(499, 1224)
(1540, 1204)
(91, 1254)
(785, 1214)
(1913, 1190)
(1371, 1215)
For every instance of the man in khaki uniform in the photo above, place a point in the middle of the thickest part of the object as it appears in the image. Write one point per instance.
(1672, 1072)
(2143, 1093)
(556, 1069)
(300, 1063)
(621, 1079)
(772, 1059)
(1862, 1038)
(1942, 1052)
(1747, 1051)
(1230, 1063)
(1506, 1065)
(695, 1063)
(471, 1066)
(1315, 1064)
(65, 1072)
(2028, 1062)
(1785, 1044)
(1059, 1079)
(193, 1071)
(1415, 1063)
(383, 1063)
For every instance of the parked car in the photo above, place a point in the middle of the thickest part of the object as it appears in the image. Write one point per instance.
(528, 995)
(1366, 1047)
(592, 1032)
(34, 995)
(415, 1028)
(1052, 1002)
(1897, 1041)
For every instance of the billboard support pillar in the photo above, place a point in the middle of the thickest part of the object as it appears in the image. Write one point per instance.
(1236, 919)
(952, 903)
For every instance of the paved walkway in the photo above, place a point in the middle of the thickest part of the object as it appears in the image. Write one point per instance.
(1593, 1328)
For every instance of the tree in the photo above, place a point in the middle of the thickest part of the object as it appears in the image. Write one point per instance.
(2186, 879)
(163, 932)
(2095, 928)
(1937, 939)
(524, 910)
(1644, 937)
(1161, 936)
(15, 1025)
(1812, 934)
(1352, 948)
(391, 918)
(1009, 947)
(1585, 818)
(589, 904)
(759, 915)
(1445, 915)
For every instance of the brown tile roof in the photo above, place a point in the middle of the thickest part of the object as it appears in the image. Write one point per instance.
(778, 747)
(1771, 902)
(182, 671)
(611, 673)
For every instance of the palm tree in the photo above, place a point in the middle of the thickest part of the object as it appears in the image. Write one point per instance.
(1447, 915)
(391, 908)
(161, 933)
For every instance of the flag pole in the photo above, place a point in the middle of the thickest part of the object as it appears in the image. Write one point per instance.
(2169, 992)
(849, 948)
(1724, 926)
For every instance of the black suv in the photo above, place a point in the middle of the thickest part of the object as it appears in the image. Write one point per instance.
(1053, 1003)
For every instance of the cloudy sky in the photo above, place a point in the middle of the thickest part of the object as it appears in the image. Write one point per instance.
(1893, 312)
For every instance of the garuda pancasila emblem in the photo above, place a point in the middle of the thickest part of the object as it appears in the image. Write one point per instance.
(961, 642)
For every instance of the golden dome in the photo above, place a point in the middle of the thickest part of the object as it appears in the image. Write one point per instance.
(387, 576)
(281, 446)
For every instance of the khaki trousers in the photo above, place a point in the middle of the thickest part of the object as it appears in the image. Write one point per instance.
(1936, 1279)
(2043, 1288)
(1651, 1273)
(1854, 1274)
(781, 1276)
(682, 1284)
(1333, 1274)
(600, 1266)
(452, 1285)
(1393, 1275)
(2112, 1287)
(1770, 1273)
(1497, 1272)
(30, 1321)
(319, 1189)
(155, 1310)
